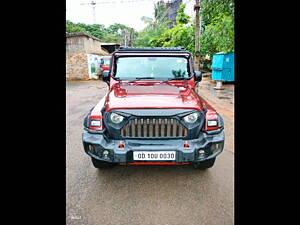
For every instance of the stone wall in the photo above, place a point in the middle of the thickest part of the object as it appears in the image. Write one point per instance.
(77, 66)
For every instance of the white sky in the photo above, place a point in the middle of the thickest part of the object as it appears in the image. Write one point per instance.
(127, 13)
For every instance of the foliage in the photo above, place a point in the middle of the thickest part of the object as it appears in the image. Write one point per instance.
(71, 27)
(217, 26)
(211, 9)
(180, 35)
(155, 27)
(113, 33)
(219, 36)
(181, 17)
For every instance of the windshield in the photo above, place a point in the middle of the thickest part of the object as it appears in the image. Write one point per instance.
(152, 67)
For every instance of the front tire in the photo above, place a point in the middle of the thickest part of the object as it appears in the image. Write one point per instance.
(101, 165)
(205, 164)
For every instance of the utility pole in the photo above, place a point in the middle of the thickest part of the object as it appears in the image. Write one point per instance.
(93, 4)
(197, 35)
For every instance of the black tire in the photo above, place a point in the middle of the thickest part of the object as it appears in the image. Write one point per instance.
(205, 164)
(101, 165)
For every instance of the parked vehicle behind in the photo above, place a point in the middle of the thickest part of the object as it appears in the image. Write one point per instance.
(104, 65)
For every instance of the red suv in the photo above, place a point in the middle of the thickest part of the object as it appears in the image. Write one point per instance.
(152, 114)
(104, 64)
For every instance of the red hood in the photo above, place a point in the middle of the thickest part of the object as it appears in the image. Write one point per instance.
(152, 95)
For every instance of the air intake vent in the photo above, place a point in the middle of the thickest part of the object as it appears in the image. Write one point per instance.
(153, 128)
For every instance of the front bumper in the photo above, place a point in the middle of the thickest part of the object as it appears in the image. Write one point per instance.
(94, 145)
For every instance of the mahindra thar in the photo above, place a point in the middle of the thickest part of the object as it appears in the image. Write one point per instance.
(152, 114)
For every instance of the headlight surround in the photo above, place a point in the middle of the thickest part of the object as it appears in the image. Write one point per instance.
(116, 118)
(191, 118)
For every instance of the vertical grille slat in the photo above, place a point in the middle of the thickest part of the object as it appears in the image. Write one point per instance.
(154, 127)
(180, 131)
(162, 129)
(150, 128)
(139, 128)
(174, 128)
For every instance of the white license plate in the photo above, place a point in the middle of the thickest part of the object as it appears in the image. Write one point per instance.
(154, 155)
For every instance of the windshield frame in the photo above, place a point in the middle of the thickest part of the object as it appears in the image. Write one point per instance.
(187, 57)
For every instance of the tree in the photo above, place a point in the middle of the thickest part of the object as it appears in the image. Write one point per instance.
(180, 35)
(218, 37)
(72, 28)
(155, 27)
(218, 26)
(181, 17)
(114, 33)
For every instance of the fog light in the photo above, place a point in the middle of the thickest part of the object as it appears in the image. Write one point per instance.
(91, 148)
(105, 153)
(201, 153)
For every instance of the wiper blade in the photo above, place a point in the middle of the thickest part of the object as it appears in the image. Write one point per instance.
(146, 78)
(141, 78)
(179, 78)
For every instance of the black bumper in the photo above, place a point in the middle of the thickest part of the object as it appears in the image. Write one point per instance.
(95, 144)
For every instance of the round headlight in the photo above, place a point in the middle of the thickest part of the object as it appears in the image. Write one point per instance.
(192, 118)
(115, 118)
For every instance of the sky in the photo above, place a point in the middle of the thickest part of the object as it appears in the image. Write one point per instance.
(127, 13)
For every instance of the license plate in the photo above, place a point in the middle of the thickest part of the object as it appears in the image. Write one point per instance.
(154, 155)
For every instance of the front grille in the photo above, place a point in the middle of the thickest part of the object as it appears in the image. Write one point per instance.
(153, 127)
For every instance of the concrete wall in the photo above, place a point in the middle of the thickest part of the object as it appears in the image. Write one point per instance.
(75, 44)
(83, 44)
(92, 46)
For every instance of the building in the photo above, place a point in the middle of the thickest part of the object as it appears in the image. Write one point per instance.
(83, 54)
(110, 47)
(172, 6)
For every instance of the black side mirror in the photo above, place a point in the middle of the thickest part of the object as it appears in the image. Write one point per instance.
(105, 76)
(198, 76)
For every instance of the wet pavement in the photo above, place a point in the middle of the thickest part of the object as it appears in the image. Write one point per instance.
(145, 194)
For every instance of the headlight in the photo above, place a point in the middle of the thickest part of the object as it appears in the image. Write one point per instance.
(212, 123)
(192, 118)
(115, 118)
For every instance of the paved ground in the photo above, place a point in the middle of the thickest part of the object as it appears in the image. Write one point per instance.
(145, 194)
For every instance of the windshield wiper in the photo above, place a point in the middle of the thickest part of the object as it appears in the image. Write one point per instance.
(142, 78)
(179, 78)
(146, 78)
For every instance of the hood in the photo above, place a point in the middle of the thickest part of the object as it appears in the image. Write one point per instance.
(152, 95)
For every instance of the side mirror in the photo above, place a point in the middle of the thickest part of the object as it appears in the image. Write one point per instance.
(105, 76)
(198, 76)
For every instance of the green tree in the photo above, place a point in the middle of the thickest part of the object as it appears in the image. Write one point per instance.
(180, 35)
(72, 28)
(114, 32)
(155, 27)
(181, 17)
(217, 26)
(218, 37)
